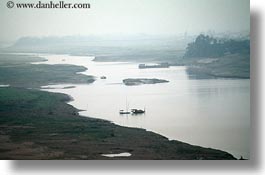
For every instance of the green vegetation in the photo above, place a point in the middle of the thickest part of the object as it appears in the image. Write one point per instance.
(40, 125)
(206, 46)
(208, 57)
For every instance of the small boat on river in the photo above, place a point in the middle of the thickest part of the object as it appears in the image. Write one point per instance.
(138, 111)
(125, 111)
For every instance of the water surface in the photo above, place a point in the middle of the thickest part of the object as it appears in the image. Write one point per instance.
(211, 112)
(117, 155)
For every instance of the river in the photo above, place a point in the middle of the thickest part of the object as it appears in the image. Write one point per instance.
(206, 112)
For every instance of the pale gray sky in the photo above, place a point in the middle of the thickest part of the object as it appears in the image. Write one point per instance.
(126, 17)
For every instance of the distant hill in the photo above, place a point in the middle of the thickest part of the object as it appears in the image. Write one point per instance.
(107, 48)
(204, 56)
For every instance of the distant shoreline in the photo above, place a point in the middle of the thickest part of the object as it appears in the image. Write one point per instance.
(199, 73)
(83, 138)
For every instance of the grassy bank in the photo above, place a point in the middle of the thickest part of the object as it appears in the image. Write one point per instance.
(41, 125)
(17, 71)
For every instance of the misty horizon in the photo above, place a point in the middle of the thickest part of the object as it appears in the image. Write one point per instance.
(134, 79)
(159, 18)
(184, 37)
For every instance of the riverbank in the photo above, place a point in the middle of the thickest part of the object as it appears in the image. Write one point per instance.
(17, 71)
(235, 66)
(41, 125)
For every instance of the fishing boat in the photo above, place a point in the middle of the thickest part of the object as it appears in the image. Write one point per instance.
(103, 77)
(138, 111)
(125, 111)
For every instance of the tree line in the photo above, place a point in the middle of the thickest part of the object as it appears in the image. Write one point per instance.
(207, 46)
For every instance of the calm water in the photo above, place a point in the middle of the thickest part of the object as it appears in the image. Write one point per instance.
(211, 113)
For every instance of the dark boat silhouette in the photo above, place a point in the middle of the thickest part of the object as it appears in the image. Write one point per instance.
(124, 112)
(137, 111)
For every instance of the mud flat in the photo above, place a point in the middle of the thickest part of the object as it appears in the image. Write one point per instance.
(140, 81)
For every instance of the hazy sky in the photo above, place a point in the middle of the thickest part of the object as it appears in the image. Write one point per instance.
(126, 17)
